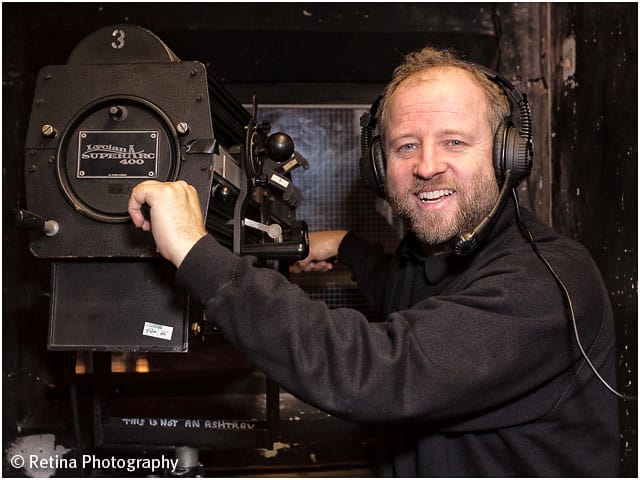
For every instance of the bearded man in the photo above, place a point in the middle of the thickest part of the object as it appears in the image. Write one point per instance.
(474, 370)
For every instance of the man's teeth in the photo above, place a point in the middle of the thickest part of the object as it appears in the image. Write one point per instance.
(435, 195)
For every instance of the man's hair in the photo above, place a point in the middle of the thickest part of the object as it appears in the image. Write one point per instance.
(428, 57)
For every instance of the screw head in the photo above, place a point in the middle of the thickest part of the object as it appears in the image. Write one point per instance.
(48, 131)
(182, 128)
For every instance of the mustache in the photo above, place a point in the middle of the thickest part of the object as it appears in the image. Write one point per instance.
(420, 185)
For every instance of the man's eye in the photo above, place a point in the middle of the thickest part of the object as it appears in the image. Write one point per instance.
(408, 147)
(454, 143)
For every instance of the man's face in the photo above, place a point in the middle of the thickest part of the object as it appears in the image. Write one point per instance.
(438, 145)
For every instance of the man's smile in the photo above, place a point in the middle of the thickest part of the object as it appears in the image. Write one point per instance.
(434, 195)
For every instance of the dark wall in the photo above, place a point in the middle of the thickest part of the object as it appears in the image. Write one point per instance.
(595, 165)
(584, 103)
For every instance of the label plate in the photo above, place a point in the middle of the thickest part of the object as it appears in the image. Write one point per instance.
(117, 153)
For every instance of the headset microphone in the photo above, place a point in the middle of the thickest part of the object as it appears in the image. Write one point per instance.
(466, 243)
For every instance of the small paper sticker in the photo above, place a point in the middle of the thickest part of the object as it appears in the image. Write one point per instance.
(157, 331)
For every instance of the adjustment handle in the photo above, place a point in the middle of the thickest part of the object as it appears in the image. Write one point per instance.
(30, 221)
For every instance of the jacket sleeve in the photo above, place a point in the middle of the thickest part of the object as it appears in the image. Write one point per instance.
(455, 361)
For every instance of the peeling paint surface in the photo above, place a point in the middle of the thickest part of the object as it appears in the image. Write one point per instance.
(273, 452)
(22, 452)
(569, 61)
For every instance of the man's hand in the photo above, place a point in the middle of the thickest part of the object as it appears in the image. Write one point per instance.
(176, 219)
(322, 246)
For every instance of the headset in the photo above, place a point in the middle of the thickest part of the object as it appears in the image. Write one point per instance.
(512, 158)
(512, 162)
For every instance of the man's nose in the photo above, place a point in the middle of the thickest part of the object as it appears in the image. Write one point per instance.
(429, 163)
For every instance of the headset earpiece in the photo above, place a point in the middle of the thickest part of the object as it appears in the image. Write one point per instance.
(511, 151)
(372, 168)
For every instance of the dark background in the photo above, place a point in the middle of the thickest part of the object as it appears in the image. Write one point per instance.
(577, 63)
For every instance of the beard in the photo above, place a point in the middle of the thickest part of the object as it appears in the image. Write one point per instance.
(437, 228)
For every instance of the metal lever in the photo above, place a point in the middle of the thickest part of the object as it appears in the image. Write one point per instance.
(295, 249)
(294, 162)
(274, 230)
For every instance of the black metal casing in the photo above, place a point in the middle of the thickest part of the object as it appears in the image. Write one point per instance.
(124, 109)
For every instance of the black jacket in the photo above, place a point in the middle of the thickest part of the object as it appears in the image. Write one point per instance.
(474, 372)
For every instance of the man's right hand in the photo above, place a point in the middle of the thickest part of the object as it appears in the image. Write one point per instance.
(322, 246)
(176, 219)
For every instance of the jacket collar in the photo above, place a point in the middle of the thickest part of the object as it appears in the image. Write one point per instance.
(437, 267)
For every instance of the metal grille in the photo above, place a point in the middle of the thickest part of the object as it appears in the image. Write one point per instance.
(333, 196)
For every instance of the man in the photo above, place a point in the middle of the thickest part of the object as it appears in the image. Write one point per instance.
(475, 370)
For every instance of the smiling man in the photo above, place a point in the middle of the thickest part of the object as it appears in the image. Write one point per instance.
(475, 370)
(439, 154)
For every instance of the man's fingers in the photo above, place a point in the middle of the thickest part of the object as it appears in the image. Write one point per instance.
(140, 195)
(319, 266)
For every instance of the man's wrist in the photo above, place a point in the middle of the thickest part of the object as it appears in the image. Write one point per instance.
(183, 250)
